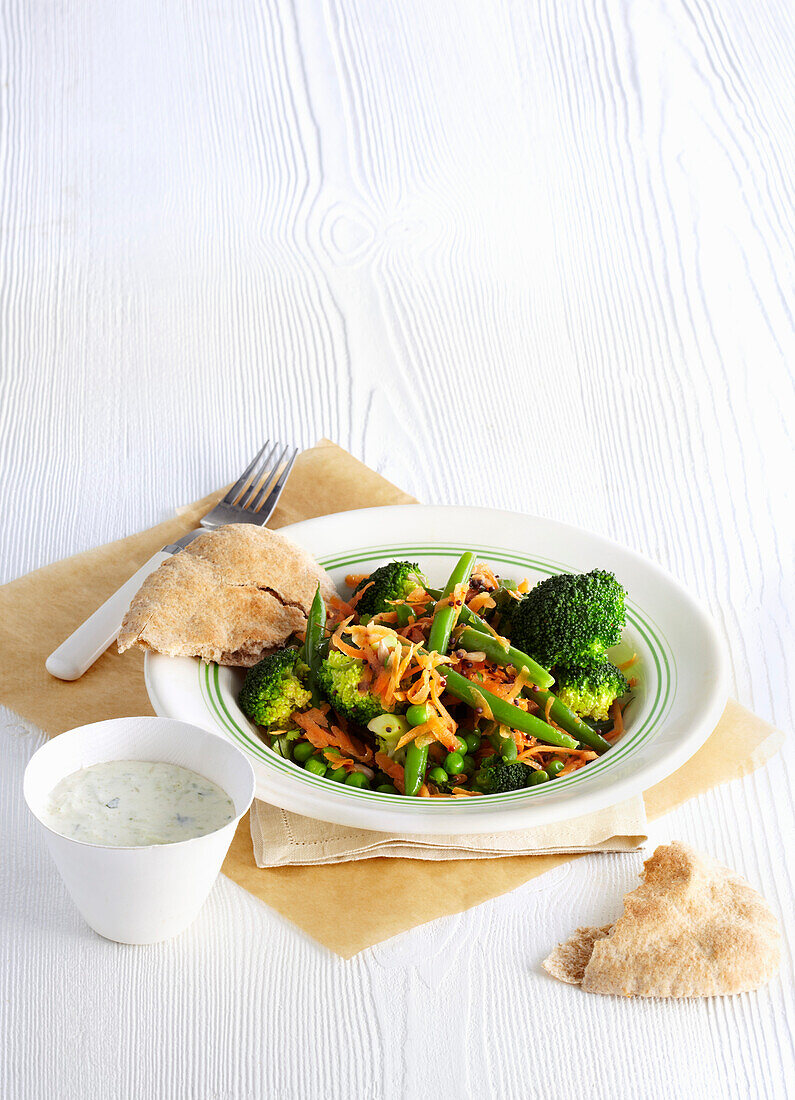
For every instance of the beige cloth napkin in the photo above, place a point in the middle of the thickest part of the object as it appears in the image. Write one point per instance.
(341, 904)
(283, 839)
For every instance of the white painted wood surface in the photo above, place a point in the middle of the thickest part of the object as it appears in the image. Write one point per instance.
(567, 225)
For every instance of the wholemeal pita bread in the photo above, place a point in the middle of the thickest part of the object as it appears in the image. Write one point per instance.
(692, 929)
(229, 596)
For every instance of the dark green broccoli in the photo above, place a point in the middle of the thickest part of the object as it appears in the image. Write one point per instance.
(339, 677)
(570, 618)
(389, 582)
(590, 690)
(274, 688)
(496, 776)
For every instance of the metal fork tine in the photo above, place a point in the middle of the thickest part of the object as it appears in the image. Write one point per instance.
(254, 501)
(243, 480)
(264, 473)
(276, 490)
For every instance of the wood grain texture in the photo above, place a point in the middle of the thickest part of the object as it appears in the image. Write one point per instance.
(566, 226)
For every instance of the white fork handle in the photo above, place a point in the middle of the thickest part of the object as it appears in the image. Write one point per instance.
(77, 654)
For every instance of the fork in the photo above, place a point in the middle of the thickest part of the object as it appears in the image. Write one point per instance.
(250, 500)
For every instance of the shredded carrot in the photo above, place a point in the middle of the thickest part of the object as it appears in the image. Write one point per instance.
(523, 585)
(629, 663)
(423, 792)
(520, 681)
(351, 745)
(389, 767)
(352, 602)
(314, 733)
(335, 757)
(319, 715)
(352, 579)
(548, 710)
(483, 707)
(485, 574)
(572, 765)
(477, 603)
(344, 608)
(541, 750)
(618, 722)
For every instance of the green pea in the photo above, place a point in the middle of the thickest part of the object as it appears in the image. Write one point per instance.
(315, 765)
(358, 779)
(538, 777)
(338, 775)
(438, 776)
(463, 747)
(454, 763)
(302, 751)
(508, 750)
(418, 714)
(387, 788)
(553, 767)
(472, 741)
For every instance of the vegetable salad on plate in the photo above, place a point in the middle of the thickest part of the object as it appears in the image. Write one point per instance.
(484, 687)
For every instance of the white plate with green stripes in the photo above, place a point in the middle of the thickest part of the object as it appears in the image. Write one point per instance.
(682, 670)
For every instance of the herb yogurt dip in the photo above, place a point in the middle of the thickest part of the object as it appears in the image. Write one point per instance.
(132, 803)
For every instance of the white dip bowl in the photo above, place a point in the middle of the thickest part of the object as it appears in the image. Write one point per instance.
(141, 894)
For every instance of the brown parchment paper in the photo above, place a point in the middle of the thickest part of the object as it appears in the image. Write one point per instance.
(341, 905)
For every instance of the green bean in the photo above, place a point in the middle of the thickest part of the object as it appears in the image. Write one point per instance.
(444, 620)
(568, 720)
(414, 768)
(474, 641)
(508, 749)
(505, 713)
(315, 623)
(498, 653)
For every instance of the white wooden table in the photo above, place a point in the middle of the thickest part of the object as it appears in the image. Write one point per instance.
(560, 226)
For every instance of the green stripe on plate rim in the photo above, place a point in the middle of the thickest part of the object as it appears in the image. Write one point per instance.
(662, 656)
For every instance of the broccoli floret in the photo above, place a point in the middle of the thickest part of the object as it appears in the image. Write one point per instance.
(571, 618)
(499, 776)
(390, 582)
(590, 690)
(339, 677)
(274, 688)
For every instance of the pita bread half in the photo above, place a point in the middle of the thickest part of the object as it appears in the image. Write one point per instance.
(229, 596)
(693, 928)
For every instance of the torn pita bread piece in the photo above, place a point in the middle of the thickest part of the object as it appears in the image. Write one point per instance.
(230, 596)
(693, 928)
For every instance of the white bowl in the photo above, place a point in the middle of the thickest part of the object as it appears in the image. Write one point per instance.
(682, 670)
(140, 894)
